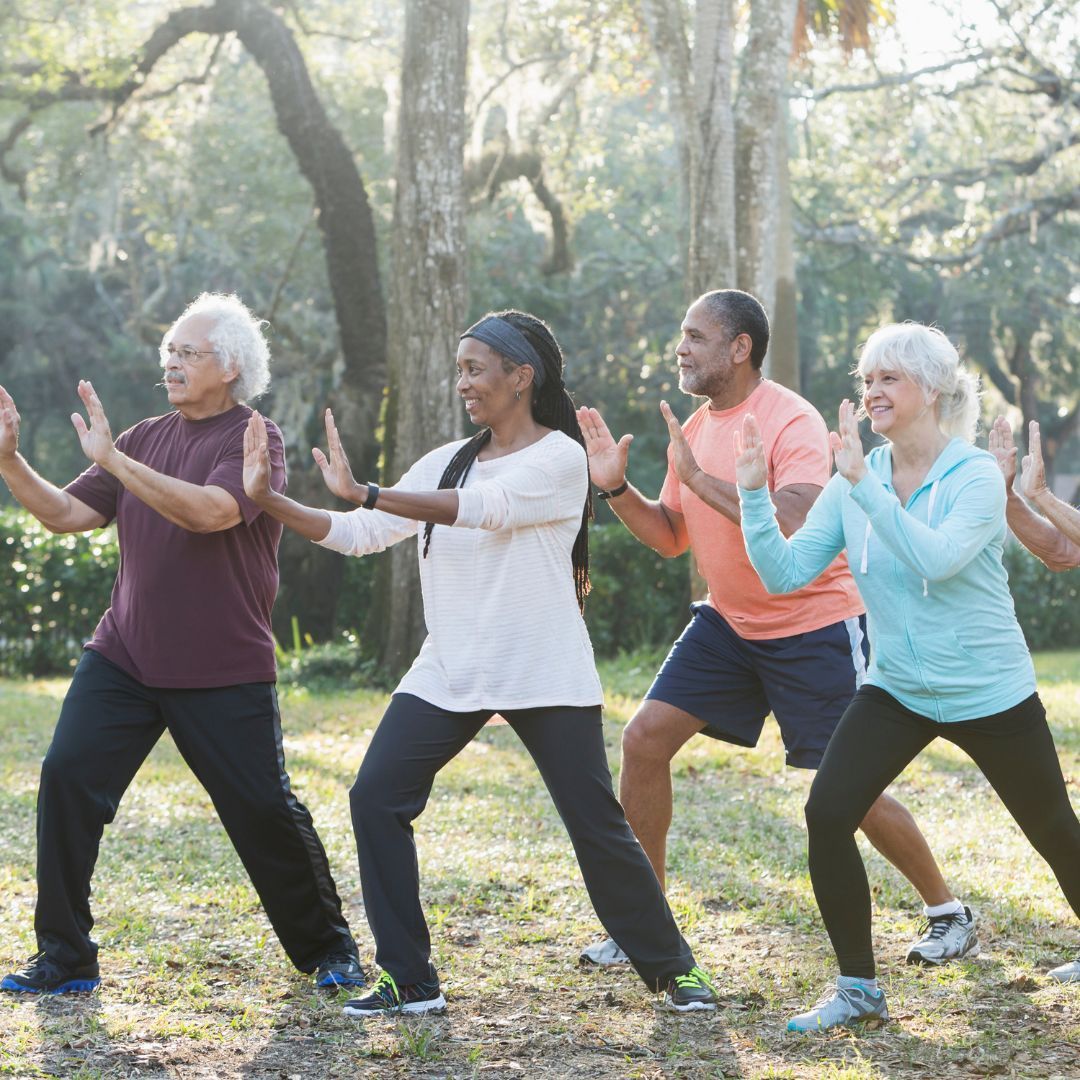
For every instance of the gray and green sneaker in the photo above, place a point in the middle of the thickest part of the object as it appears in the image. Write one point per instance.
(851, 1004)
(389, 999)
(691, 992)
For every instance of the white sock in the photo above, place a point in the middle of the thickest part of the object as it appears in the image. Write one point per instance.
(950, 907)
(845, 981)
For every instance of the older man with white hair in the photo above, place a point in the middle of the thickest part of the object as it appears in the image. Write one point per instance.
(185, 646)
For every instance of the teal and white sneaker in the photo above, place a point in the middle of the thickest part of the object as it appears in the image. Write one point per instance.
(1067, 973)
(389, 999)
(851, 1004)
(692, 992)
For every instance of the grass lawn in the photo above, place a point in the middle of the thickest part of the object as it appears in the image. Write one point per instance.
(195, 985)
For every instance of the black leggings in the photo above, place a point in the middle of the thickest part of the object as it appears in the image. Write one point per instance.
(875, 740)
(414, 741)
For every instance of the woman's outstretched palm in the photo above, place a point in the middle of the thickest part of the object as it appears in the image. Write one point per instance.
(256, 458)
(336, 472)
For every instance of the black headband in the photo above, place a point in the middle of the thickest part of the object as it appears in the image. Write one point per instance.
(507, 339)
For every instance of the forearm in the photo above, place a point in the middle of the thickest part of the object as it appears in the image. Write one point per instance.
(52, 506)
(648, 521)
(309, 522)
(1064, 516)
(723, 497)
(438, 507)
(1046, 542)
(191, 506)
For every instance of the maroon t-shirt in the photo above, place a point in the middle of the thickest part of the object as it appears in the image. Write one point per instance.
(189, 609)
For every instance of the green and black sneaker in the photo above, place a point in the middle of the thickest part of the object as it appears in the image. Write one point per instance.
(691, 992)
(389, 999)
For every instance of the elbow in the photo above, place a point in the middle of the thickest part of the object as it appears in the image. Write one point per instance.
(667, 550)
(1062, 565)
(205, 524)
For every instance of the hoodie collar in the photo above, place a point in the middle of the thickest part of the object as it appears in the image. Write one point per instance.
(955, 453)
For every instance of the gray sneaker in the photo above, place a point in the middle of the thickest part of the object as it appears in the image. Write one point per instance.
(846, 1006)
(946, 937)
(1067, 973)
(604, 954)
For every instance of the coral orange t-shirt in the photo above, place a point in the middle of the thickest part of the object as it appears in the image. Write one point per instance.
(797, 450)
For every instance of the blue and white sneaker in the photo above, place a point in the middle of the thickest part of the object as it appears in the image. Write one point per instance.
(340, 969)
(851, 1004)
(43, 975)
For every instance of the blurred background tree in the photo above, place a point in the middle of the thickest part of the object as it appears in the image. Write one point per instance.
(927, 170)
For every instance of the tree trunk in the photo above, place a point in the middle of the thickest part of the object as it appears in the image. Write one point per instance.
(699, 85)
(308, 575)
(763, 68)
(784, 339)
(428, 298)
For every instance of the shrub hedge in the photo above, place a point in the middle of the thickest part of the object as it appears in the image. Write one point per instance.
(53, 590)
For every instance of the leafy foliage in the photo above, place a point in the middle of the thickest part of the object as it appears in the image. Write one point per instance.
(1047, 604)
(53, 590)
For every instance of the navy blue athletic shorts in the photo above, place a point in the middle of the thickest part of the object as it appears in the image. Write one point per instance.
(731, 684)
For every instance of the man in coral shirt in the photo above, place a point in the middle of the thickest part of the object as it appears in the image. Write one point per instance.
(745, 653)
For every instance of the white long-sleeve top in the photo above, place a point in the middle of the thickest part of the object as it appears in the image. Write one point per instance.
(504, 629)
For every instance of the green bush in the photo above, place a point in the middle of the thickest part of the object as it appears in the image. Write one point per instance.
(1047, 604)
(331, 665)
(638, 599)
(53, 590)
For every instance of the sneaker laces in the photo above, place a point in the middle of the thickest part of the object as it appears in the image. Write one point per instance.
(387, 989)
(937, 926)
(696, 978)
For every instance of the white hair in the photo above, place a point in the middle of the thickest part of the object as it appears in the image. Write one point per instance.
(238, 339)
(930, 360)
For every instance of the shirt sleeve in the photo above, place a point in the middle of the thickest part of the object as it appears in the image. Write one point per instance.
(533, 493)
(98, 488)
(787, 564)
(228, 470)
(671, 492)
(943, 550)
(363, 532)
(800, 453)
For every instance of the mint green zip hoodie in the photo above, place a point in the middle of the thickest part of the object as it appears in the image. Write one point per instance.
(944, 638)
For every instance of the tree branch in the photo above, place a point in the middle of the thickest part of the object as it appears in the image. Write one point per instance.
(900, 78)
(1018, 219)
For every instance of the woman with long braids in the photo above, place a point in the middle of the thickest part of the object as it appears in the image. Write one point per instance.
(502, 523)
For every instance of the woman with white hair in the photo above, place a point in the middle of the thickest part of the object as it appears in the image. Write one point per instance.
(923, 520)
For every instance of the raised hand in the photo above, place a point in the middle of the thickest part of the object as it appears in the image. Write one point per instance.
(607, 458)
(9, 425)
(751, 468)
(256, 459)
(847, 445)
(1032, 469)
(336, 471)
(96, 438)
(1004, 450)
(682, 457)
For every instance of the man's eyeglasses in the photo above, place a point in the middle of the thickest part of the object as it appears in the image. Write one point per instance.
(188, 354)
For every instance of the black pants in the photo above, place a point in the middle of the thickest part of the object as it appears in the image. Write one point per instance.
(231, 738)
(414, 741)
(875, 740)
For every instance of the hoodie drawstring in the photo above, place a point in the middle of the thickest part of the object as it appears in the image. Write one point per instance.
(930, 524)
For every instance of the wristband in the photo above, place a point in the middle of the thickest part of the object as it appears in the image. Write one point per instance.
(614, 493)
(372, 496)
